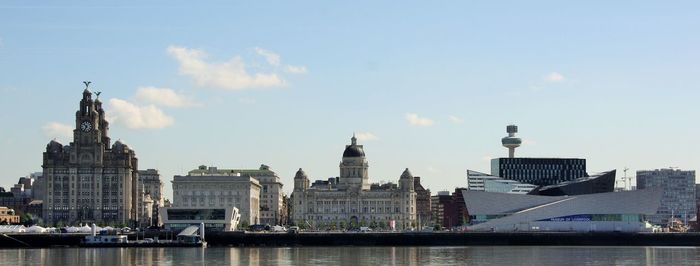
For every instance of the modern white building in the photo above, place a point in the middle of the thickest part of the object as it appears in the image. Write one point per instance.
(350, 201)
(271, 194)
(214, 219)
(600, 212)
(485, 182)
(219, 190)
(679, 193)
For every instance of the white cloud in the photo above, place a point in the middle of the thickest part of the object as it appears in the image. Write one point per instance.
(271, 57)
(163, 97)
(554, 77)
(487, 158)
(415, 120)
(231, 75)
(366, 136)
(136, 117)
(295, 69)
(58, 131)
(456, 120)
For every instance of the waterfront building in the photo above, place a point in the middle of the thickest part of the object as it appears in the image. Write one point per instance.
(8, 199)
(218, 189)
(449, 210)
(485, 182)
(424, 215)
(8, 216)
(214, 218)
(23, 188)
(600, 212)
(38, 189)
(271, 193)
(350, 200)
(678, 199)
(152, 187)
(539, 171)
(598, 183)
(697, 199)
(437, 207)
(90, 180)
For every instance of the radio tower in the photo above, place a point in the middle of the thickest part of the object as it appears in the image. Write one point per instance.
(511, 142)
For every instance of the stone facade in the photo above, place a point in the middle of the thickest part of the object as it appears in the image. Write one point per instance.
(271, 194)
(90, 180)
(424, 215)
(8, 216)
(151, 187)
(350, 201)
(219, 190)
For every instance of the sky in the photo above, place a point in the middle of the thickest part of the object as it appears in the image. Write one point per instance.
(425, 85)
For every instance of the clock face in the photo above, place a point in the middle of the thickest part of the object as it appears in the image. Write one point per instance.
(86, 126)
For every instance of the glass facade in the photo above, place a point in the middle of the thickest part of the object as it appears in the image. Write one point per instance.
(196, 214)
(678, 200)
(539, 171)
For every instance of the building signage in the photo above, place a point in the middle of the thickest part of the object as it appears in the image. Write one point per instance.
(570, 218)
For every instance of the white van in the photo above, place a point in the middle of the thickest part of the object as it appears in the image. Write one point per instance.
(365, 229)
(278, 228)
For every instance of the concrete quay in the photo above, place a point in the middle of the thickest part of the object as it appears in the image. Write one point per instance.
(248, 239)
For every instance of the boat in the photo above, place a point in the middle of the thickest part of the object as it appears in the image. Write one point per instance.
(192, 236)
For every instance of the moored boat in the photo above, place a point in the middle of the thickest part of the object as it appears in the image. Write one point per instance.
(192, 236)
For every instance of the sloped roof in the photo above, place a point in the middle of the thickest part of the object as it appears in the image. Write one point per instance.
(645, 201)
(189, 231)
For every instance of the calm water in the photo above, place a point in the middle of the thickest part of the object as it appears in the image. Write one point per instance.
(356, 256)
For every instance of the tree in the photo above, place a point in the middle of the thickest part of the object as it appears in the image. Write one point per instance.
(343, 225)
(303, 225)
(383, 225)
(26, 219)
(353, 224)
(243, 225)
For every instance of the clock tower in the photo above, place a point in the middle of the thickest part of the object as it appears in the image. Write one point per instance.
(90, 133)
(90, 180)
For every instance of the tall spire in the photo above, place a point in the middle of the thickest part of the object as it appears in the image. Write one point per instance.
(353, 139)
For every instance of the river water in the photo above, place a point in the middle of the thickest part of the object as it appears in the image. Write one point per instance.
(481, 255)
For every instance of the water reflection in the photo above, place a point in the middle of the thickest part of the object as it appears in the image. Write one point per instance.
(499, 255)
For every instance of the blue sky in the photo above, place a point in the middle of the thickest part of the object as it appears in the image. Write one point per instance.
(429, 85)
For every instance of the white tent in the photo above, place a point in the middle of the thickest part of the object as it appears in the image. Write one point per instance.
(72, 229)
(84, 229)
(36, 229)
(12, 229)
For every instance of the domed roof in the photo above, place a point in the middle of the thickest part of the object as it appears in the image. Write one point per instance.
(54, 146)
(353, 151)
(406, 174)
(300, 174)
(119, 145)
